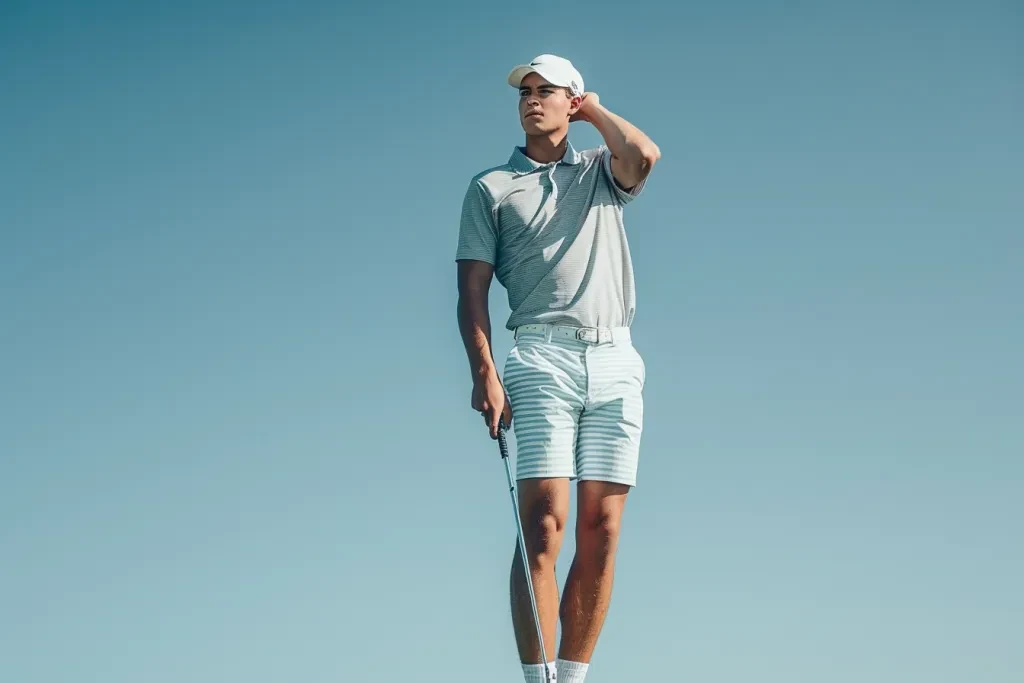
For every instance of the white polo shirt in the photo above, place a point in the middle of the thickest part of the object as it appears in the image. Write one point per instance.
(555, 236)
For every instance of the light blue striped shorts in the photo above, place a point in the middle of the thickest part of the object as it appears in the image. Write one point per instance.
(577, 404)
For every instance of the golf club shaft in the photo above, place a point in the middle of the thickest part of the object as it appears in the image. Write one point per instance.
(522, 546)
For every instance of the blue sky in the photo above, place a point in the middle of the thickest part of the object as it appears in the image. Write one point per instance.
(235, 434)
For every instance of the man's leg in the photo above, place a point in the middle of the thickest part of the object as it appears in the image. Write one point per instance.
(588, 588)
(546, 383)
(607, 457)
(543, 509)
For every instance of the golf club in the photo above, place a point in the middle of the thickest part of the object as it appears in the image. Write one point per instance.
(522, 547)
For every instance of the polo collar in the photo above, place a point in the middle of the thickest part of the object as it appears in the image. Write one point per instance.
(521, 163)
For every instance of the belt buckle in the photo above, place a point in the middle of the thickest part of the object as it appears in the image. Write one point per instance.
(588, 334)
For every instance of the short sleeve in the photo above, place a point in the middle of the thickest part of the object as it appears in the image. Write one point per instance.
(625, 195)
(478, 236)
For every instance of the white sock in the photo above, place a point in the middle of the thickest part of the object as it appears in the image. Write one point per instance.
(534, 673)
(572, 672)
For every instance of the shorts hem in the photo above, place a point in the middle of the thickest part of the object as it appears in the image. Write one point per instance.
(610, 479)
(540, 474)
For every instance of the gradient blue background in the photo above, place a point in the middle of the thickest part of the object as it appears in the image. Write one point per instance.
(235, 435)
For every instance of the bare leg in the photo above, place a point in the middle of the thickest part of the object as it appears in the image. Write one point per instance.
(588, 588)
(543, 509)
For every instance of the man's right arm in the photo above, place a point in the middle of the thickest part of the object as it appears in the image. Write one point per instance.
(489, 399)
(474, 317)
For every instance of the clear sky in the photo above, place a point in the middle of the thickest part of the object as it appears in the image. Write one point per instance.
(235, 436)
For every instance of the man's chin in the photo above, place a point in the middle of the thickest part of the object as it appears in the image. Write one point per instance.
(534, 128)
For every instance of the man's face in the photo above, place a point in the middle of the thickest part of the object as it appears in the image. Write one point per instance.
(543, 107)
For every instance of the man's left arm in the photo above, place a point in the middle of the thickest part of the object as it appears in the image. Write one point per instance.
(633, 153)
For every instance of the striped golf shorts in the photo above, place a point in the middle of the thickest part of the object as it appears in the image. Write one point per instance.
(577, 404)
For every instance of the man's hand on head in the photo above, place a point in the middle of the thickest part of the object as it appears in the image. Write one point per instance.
(589, 103)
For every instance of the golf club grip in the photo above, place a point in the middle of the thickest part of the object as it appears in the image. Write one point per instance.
(502, 444)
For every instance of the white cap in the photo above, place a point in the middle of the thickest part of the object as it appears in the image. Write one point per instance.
(552, 68)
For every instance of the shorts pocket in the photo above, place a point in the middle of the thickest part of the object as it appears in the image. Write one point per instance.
(641, 365)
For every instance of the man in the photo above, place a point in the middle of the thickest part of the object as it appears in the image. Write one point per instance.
(548, 223)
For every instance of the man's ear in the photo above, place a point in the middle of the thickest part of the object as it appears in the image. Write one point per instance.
(574, 104)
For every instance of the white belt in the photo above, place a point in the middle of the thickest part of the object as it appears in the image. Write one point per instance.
(592, 335)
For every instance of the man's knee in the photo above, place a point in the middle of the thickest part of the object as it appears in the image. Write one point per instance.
(544, 517)
(600, 521)
(544, 528)
(599, 532)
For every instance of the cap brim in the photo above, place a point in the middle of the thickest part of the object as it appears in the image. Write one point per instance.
(516, 76)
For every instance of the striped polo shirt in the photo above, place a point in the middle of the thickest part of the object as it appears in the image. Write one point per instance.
(555, 236)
